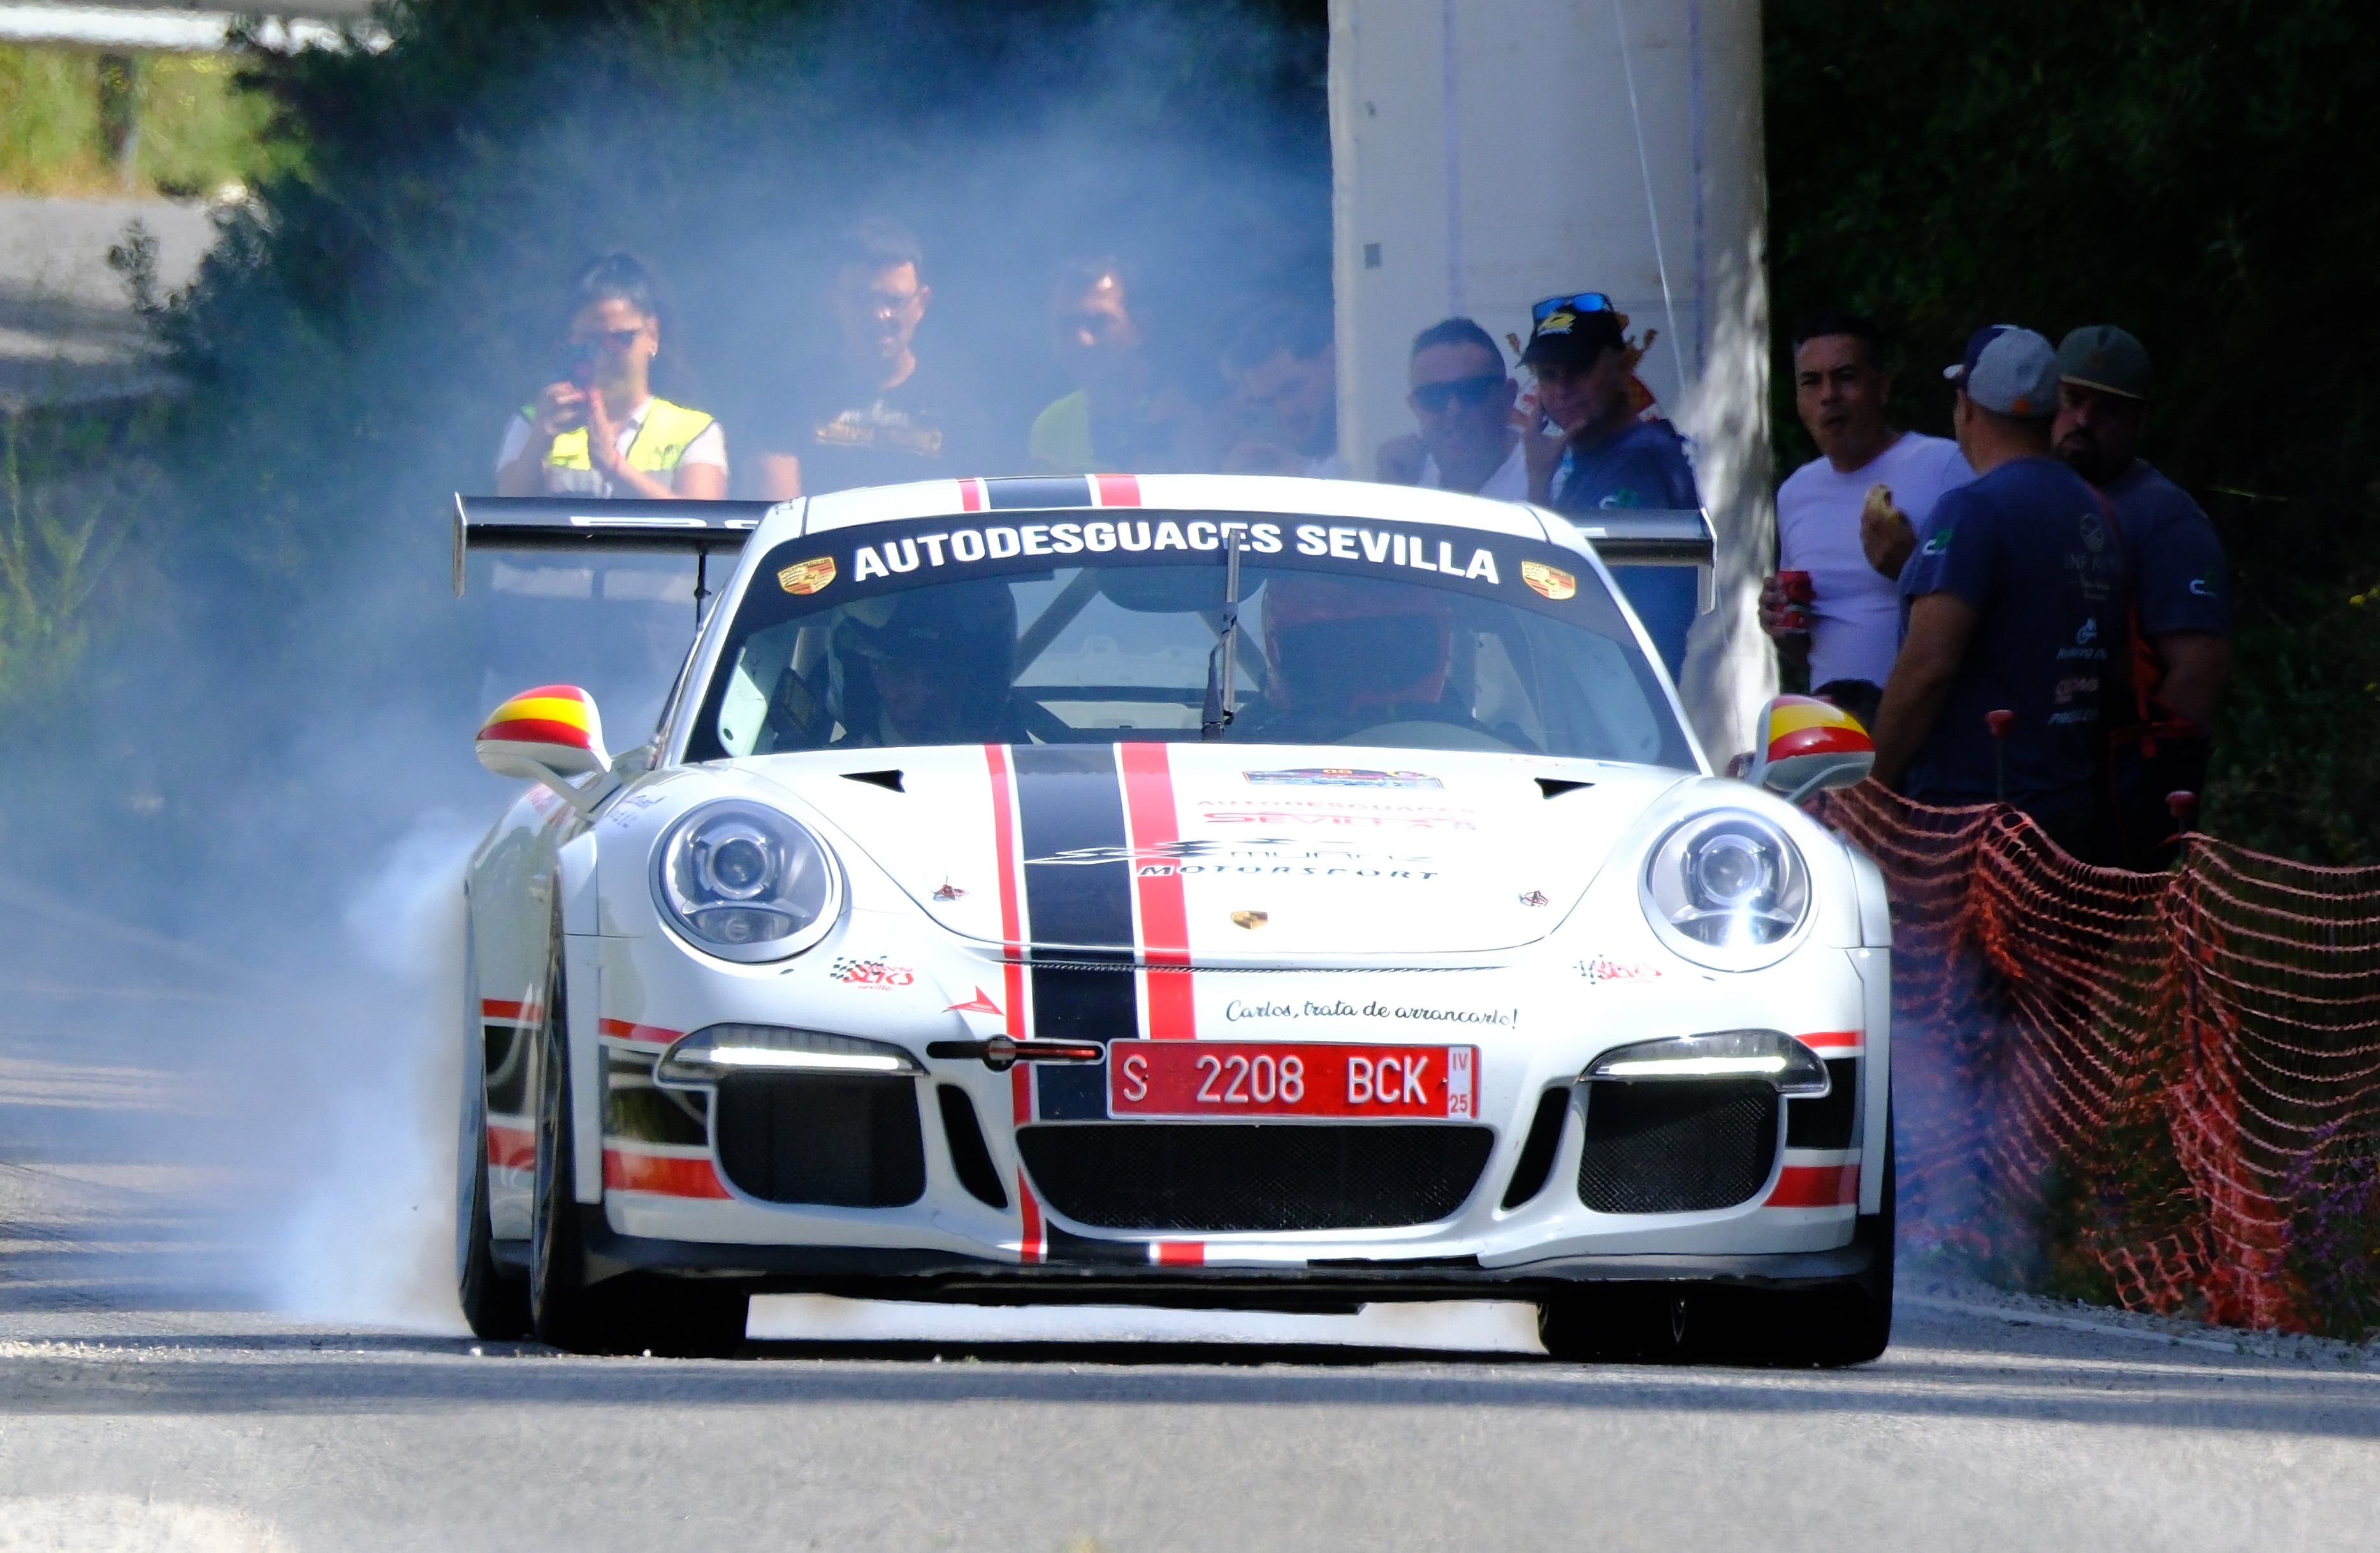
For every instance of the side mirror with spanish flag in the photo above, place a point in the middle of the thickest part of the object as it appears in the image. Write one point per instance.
(551, 734)
(1806, 745)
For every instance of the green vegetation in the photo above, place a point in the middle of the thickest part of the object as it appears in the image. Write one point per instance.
(2194, 174)
(197, 130)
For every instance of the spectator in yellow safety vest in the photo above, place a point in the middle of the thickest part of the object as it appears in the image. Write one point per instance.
(599, 430)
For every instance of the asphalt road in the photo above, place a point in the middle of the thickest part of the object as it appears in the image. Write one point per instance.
(67, 330)
(156, 1393)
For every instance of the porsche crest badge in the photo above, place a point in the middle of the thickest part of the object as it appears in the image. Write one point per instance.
(807, 577)
(1551, 582)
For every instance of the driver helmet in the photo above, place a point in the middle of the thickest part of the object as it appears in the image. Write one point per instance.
(1340, 644)
(923, 665)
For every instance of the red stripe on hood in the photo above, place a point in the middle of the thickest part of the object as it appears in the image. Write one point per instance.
(1163, 919)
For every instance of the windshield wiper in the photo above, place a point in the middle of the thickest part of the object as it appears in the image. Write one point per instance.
(1223, 664)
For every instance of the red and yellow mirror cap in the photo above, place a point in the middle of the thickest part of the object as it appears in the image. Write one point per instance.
(562, 714)
(1794, 725)
(550, 728)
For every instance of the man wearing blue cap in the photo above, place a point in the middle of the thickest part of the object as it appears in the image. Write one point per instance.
(1601, 456)
(2016, 604)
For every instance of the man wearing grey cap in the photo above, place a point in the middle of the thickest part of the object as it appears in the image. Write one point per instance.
(2016, 604)
(2181, 586)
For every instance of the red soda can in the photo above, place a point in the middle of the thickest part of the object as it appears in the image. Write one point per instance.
(1800, 594)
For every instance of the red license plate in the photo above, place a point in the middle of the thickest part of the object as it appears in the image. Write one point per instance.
(1229, 1079)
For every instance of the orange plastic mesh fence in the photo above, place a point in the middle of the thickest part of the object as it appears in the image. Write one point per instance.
(2170, 1081)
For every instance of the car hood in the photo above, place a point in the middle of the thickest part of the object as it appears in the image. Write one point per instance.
(1227, 854)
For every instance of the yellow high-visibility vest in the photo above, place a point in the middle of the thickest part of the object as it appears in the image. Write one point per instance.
(668, 431)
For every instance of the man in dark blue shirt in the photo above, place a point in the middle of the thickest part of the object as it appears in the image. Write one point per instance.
(1604, 457)
(2182, 589)
(2015, 603)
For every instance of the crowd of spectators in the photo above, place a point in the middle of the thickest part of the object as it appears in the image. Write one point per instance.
(2026, 612)
(2033, 614)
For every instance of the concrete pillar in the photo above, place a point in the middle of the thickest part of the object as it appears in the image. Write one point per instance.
(1488, 152)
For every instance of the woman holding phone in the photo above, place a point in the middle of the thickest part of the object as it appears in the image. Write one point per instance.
(599, 430)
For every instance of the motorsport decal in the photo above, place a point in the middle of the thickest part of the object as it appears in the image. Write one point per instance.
(1246, 855)
(875, 973)
(965, 546)
(1038, 540)
(1339, 776)
(1598, 970)
(1344, 813)
(1280, 1009)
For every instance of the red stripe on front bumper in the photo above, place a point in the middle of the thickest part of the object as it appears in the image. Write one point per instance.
(1178, 1254)
(666, 1175)
(1816, 1186)
(621, 1029)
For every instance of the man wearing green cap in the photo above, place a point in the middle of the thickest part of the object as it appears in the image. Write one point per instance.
(2181, 586)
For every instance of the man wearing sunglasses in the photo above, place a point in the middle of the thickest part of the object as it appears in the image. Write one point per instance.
(1594, 453)
(1462, 397)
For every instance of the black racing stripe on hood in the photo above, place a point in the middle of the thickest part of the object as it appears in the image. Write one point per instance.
(1070, 808)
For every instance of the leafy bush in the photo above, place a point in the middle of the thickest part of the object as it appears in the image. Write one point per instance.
(2191, 173)
(371, 319)
(197, 129)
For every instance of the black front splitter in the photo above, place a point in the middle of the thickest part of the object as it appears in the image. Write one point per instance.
(863, 1272)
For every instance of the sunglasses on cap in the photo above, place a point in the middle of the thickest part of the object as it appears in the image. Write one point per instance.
(1585, 302)
(1437, 398)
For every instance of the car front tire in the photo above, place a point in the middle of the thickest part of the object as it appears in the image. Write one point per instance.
(629, 1313)
(494, 1299)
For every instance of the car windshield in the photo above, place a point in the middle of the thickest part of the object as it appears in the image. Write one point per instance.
(1095, 630)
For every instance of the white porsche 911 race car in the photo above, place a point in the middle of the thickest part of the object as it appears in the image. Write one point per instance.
(1192, 890)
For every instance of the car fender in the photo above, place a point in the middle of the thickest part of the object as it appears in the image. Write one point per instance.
(582, 970)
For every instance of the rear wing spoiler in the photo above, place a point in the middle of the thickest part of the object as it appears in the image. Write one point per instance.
(1648, 536)
(551, 523)
(1624, 537)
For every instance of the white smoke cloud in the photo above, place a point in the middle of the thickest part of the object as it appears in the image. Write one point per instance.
(369, 1235)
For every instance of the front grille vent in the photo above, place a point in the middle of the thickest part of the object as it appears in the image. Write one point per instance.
(836, 1140)
(1218, 1177)
(1676, 1146)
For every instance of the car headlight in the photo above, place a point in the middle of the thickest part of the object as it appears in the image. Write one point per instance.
(745, 882)
(1728, 891)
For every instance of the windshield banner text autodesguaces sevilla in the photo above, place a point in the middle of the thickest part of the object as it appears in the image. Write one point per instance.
(884, 556)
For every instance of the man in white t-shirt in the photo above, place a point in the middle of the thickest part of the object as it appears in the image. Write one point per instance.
(1462, 396)
(1840, 386)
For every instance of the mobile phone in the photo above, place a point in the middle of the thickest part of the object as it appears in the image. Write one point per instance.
(575, 366)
